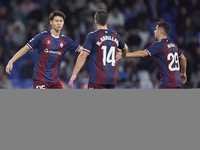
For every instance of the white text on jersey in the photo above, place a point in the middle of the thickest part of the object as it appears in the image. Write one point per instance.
(104, 38)
(170, 45)
(53, 52)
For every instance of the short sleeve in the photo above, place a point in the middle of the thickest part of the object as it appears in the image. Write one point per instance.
(35, 42)
(121, 42)
(178, 50)
(179, 53)
(153, 49)
(88, 44)
(73, 46)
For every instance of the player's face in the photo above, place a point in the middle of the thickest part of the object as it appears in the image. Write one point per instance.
(57, 23)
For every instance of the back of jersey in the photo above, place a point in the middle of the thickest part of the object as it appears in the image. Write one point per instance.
(167, 54)
(102, 46)
(171, 54)
(170, 74)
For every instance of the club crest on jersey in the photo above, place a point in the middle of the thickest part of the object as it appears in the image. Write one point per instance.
(61, 44)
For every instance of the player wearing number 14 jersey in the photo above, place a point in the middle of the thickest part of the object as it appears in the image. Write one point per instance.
(102, 46)
(168, 55)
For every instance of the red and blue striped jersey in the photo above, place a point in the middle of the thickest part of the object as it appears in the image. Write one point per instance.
(51, 51)
(102, 46)
(167, 54)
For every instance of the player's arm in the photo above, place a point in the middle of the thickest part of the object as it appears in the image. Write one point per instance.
(124, 51)
(80, 49)
(19, 54)
(183, 62)
(79, 64)
(139, 53)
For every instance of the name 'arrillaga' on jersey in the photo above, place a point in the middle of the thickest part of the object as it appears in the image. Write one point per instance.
(102, 45)
(104, 38)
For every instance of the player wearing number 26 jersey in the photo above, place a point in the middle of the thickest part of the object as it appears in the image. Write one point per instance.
(51, 46)
(172, 71)
(102, 46)
(51, 51)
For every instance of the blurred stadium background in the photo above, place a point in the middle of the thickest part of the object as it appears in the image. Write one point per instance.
(134, 20)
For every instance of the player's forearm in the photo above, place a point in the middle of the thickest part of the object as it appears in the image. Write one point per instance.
(125, 49)
(183, 62)
(80, 49)
(137, 54)
(79, 64)
(19, 54)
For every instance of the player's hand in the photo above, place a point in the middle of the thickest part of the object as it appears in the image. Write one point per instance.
(9, 67)
(71, 81)
(183, 78)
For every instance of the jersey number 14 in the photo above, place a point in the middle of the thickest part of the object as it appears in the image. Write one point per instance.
(110, 57)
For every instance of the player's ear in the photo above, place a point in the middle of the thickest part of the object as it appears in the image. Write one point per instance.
(95, 21)
(107, 21)
(161, 31)
(50, 22)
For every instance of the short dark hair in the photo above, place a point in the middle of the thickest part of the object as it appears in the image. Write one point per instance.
(101, 16)
(57, 13)
(166, 26)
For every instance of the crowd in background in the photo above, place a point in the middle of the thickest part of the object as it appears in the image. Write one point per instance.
(133, 20)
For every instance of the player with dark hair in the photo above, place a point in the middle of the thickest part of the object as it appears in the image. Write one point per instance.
(101, 45)
(51, 46)
(168, 55)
